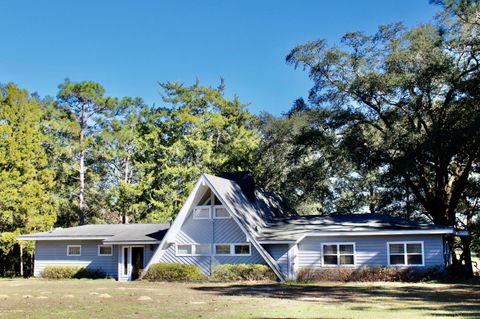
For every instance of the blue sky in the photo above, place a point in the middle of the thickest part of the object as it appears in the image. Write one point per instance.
(128, 46)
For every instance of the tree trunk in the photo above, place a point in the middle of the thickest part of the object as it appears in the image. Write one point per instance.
(21, 260)
(126, 181)
(467, 255)
(81, 203)
(32, 263)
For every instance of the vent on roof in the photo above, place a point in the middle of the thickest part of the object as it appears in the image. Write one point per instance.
(245, 181)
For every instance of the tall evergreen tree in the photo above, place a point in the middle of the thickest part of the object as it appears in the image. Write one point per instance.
(87, 104)
(26, 182)
(120, 145)
(198, 131)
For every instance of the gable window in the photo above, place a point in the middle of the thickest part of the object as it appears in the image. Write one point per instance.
(405, 253)
(74, 250)
(220, 212)
(232, 249)
(193, 250)
(341, 254)
(105, 250)
(201, 212)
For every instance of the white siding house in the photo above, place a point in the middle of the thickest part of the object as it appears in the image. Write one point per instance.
(226, 220)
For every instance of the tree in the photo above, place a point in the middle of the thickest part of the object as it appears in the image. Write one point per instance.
(303, 158)
(26, 182)
(87, 105)
(60, 130)
(120, 143)
(411, 96)
(198, 131)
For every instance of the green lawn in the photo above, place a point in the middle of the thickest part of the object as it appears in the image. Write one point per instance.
(35, 298)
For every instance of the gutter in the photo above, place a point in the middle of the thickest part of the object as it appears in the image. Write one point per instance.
(28, 237)
(381, 233)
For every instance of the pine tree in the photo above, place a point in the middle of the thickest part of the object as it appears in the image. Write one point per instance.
(26, 182)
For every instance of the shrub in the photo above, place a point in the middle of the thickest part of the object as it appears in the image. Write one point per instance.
(242, 272)
(70, 272)
(371, 274)
(173, 272)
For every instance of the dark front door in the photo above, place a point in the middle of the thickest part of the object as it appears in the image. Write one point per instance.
(137, 262)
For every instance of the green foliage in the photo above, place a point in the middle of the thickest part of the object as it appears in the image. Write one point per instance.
(409, 94)
(26, 182)
(119, 138)
(86, 107)
(71, 272)
(371, 274)
(253, 272)
(199, 131)
(399, 111)
(173, 272)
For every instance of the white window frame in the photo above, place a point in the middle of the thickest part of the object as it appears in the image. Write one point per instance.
(193, 248)
(104, 255)
(74, 255)
(405, 254)
(232, 249)
(220, 217)
(209, 207)
(338, 254)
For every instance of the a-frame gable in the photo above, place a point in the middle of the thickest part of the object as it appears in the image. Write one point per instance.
(227, 203)
(194, 198)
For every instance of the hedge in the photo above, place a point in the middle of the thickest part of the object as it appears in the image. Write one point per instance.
(71, 272)
(372, 274)
(173, 272)
(254, 272)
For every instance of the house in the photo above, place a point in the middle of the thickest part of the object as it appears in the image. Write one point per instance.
(227, 220)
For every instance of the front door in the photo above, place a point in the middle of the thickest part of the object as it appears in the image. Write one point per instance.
(137, 262)
(132, 262)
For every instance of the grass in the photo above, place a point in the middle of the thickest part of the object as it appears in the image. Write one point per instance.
(36, 298)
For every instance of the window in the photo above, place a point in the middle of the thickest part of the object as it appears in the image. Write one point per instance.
(232, 249)
(105, 250)
(193, 250)
(183, 250)
(202, 250)
(405, 254)
(242, 249)
(339, 254)
(220, 212)
(74, 250)
(201, 212)
(125, 261)
(222, 249)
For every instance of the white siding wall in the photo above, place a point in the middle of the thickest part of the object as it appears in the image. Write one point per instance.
(370, 251)
(55, 253)
(206, 231)
(279, 252)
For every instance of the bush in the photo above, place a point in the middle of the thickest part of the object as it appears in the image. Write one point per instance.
(70, 272)
(242, 272)
(173, 272)
(372, 274)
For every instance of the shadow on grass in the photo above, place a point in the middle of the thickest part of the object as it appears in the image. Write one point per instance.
(455, 300)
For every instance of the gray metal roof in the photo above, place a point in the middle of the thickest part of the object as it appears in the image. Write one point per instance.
(262, 215)
(109, 232)
(247, 211)
(267, 219)
(293, 228)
